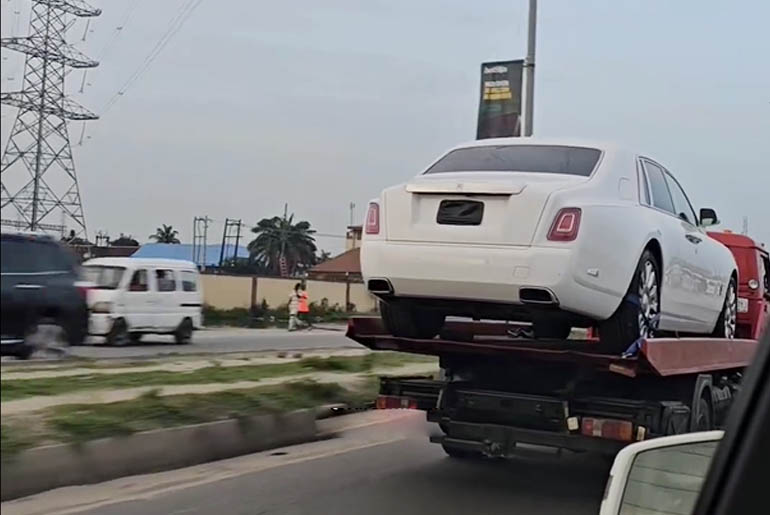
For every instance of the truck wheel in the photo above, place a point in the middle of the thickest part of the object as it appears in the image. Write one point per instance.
(183, 333)
(406, 322)
(702, 416)
(461, 454)
(728, 318)
(638, 312)
(545, 330)
(118, 335)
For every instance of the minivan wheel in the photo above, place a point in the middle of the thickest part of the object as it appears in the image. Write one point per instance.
(405, 321)
(728, 318)
(183, 333)
(118, 335)
(637, 315)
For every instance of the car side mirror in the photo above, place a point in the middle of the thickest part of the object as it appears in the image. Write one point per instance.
(708, 217)
(662, 475)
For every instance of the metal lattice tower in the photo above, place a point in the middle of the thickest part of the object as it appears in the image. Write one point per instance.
(38, 171)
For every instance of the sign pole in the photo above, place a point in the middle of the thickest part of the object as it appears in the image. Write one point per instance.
(529, 72)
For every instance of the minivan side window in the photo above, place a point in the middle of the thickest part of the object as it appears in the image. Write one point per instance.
(661, 197)
(165, 280)
(138, 281)
(189, 281)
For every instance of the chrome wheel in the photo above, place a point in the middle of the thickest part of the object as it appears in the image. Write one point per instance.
(730, 312)
(649, 300)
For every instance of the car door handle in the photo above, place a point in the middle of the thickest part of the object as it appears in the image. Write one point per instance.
(693, 239)
(29, 286)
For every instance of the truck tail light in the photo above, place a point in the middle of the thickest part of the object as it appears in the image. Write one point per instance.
(395, 402)
(622, 430)
(373, 219)
(566, 225)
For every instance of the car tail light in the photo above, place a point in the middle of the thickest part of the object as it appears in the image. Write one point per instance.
(622, 430)
(373, 219)
(83, 289)
(395, 402)
(566, 225)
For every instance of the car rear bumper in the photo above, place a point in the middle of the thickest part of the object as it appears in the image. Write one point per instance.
(482, 273)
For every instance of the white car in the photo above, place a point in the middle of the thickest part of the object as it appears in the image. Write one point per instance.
(558, 233)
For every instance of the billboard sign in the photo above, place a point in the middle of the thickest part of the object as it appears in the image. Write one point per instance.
(500, 103)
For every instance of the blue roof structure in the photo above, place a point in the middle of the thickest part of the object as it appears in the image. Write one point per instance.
(185, 251)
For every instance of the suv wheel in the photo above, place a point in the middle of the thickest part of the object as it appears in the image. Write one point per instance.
(45, 338)
(404, 321)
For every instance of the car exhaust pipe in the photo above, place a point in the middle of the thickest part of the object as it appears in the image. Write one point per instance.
(542, 296)
(380, 286)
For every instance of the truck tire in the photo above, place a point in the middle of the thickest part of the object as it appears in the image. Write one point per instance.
(637, 314)
(702, 416)
(728, 317)
(406, 322)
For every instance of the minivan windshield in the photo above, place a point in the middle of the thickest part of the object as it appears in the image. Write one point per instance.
(103, 277)
(519, 158)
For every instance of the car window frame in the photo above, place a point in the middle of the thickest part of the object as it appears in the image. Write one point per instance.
(181, 280)
(668, 175)
(652, 194)
(131, 277)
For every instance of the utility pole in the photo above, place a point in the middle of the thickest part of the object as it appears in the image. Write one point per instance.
(529, 71)
(745, 230)
(37, 167)
(200, 236)
(352, 213)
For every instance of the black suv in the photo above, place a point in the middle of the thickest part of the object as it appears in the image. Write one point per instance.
(42, 304)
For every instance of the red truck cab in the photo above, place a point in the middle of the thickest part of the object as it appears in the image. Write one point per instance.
(754, 283)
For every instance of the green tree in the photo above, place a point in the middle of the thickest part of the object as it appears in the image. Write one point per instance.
(279, 237)
(165, 234)
(125, 240)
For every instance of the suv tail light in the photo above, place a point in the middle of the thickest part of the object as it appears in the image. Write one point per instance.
(373, 219)
(566, 225)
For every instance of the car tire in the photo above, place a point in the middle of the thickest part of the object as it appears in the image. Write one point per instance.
(637, 314)
(406, 322)
(118, 335)
(550, 330)
(727, 324)
(183, 333)
(45, 337)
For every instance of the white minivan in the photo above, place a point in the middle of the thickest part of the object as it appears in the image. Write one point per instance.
(135, 296)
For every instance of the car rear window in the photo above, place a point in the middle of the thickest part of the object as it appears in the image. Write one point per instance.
(519, 158)
(21, 255)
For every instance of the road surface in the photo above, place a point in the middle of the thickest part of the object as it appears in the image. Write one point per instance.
(381, 464)
(214, 341)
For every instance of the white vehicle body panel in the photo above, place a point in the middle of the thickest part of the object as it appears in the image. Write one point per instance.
(149, 311)
(510, 249)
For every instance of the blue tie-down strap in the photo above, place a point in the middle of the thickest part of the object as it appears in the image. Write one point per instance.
(651, 323)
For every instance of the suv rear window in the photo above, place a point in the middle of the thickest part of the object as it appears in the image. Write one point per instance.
(519, 158)
(21, 255)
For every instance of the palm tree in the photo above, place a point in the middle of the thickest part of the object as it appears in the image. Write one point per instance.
(280, 239)
(165, 234)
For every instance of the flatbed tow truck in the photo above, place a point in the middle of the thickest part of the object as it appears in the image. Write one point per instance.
(496, 391)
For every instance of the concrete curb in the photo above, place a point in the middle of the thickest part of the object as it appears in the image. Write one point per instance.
(45, 468)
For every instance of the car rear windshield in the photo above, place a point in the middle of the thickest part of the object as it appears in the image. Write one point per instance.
(519, 158)
(103, 277)
(29, 255)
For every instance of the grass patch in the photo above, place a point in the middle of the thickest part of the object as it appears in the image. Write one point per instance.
(21, 388)
(79, 423)
(12, 441)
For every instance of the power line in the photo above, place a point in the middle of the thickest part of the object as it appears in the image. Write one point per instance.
(184, 13)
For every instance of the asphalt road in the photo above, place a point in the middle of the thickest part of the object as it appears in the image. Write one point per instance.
(215, 341)
(381, 464)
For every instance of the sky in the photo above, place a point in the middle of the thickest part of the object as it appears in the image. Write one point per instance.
(251, 105)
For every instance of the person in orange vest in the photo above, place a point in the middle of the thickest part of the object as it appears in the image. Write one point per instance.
(303, 308)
